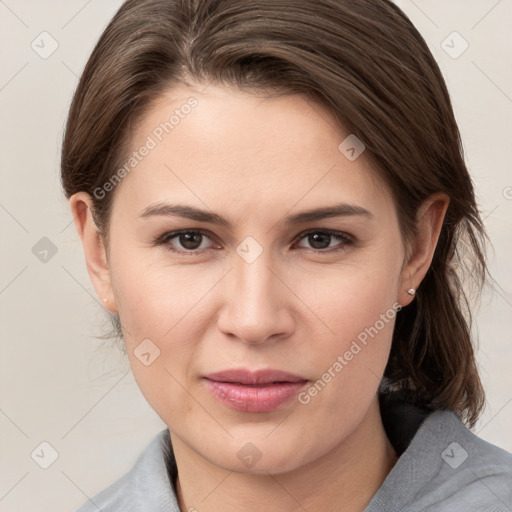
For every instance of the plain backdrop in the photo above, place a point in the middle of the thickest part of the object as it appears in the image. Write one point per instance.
(65, 388)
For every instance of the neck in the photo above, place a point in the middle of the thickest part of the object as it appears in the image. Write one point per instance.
(345, 479)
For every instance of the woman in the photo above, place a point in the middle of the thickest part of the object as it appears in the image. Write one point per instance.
(275, 209)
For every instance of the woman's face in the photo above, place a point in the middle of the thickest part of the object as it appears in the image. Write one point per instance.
(261, 283)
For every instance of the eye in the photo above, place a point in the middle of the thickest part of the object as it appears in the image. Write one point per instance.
(195, 241)
(186, 241)
(320, 240)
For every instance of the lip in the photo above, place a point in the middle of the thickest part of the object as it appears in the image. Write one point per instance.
(244, 376)
(254, 391)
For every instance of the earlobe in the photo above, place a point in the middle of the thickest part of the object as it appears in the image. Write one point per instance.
(429, 223)
(94, 248)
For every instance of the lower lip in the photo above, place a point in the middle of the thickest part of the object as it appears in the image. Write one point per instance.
(254, 398)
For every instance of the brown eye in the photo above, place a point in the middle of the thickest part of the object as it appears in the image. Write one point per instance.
(190, 240)
(184, 241)
(321, 240)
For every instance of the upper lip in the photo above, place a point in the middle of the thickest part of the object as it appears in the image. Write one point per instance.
(244, 376)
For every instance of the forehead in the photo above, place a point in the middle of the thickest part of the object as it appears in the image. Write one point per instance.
(223, 144)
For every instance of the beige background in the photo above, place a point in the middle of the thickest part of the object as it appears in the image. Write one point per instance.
(61, 385)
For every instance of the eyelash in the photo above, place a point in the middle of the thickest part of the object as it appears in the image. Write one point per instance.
(345, 238)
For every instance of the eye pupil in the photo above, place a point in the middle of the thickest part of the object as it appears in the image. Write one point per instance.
(190, 240)
(322, 238)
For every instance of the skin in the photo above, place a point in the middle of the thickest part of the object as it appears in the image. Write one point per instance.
(254, 161)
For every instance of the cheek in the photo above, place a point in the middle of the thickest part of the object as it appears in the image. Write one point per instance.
(160, 336)
(353, 297)
(155, 298)
(164, 313)
(356, 312)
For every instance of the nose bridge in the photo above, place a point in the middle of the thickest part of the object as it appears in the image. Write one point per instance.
(256, 305)
(255, 280)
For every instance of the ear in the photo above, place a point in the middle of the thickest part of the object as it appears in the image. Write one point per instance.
(94, 248)
(429, 222)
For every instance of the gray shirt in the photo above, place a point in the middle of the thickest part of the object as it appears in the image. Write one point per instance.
(442, 467)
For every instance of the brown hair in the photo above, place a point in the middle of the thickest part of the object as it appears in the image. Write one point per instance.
(368, 64)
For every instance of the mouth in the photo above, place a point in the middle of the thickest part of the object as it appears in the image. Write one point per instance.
(259, 391)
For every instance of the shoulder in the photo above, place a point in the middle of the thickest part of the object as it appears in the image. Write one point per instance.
(479, 472)
(466, 473)
(145, 487)
(447, 468)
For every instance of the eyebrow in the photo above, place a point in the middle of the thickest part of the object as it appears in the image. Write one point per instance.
(189, 212)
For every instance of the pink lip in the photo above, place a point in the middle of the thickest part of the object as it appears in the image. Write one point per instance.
(259, 391)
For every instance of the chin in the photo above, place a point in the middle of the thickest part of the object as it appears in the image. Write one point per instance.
(260, 455)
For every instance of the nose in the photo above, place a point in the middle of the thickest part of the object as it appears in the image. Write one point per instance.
(258, 305)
